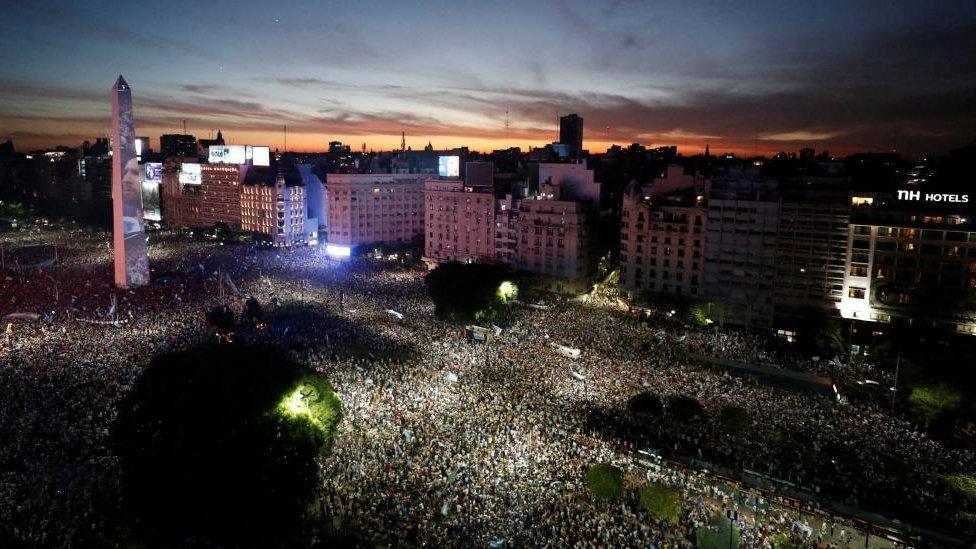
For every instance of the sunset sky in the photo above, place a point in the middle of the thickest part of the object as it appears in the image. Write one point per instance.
(765, 76)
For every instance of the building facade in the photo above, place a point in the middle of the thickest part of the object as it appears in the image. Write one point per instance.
(460, 222)
(910, 263)
(740, 250)
(215, 199)
(279, 211)
(662, 242)
(811, 248)
(556, 242)
(374, 209)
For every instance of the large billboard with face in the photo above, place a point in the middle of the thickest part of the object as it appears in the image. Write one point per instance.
(449, 166)
(131, 260)
(190, 174)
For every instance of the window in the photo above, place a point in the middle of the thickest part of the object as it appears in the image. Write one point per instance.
(855, 293)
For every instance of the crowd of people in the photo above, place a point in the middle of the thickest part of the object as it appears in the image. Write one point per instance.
(444, 441)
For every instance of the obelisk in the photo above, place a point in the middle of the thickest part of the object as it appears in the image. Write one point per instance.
(131, 261)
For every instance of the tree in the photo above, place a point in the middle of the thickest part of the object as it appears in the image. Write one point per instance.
(734, 419)
(830, 337)
(219, 444)
(695, 314)
(963, 485)
(645, 404)
(467, 292)
(684, 408)
(252, 311)
(718, 535)
(928, 403)
(221, 319)
(661, 502)
(604, 481)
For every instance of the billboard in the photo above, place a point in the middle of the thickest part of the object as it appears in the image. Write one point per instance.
(226, 154)
(190, 174)
(261, 156)
(449, 166)
(154, 172)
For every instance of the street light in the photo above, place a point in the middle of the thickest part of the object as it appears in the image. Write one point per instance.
(733, 516)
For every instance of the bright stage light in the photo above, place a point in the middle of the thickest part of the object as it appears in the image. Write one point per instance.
(338, 251)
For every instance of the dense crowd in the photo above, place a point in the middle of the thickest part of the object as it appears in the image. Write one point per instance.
(444, 441)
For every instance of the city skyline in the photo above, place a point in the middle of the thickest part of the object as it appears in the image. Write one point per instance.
(755, 79)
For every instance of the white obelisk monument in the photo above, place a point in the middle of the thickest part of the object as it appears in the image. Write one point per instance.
(131, 261)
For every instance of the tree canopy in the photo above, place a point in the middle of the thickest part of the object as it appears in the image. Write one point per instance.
(661, 503)
(604, 481)
(469, 292)
(929, 402)
(218, 444)
(684, 408)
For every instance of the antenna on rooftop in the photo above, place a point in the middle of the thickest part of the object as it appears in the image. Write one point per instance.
(506, 124)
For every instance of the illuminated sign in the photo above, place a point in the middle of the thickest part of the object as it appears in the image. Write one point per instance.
(239, 154)
(449, 166)
(154, 172)
(226, 154)
(190, 174)
(260, 156)
(918, 196)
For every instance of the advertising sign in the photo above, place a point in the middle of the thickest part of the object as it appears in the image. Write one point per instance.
(226, 154)
(449, 166)
(261, 156)
(919, 196)
(154, 172)
(190, 174)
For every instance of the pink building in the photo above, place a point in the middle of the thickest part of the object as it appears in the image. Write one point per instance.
(460, 222)
(662, 241)
(556, 240)
(373, 209)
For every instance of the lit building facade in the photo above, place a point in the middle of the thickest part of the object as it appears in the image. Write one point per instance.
(460, 222)
(911, 263)
(215, 199)
(279, 211)
(662, 241)
(556, 241)
(374, 209)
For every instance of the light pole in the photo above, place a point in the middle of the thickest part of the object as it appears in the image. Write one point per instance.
(894, 388)
(733, 516)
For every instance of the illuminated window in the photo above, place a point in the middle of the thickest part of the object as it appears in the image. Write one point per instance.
(856, 293)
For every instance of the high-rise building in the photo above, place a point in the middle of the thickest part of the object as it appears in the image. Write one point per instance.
(460, 222)
(210, 195)
(178, 145)
(811, 247)
(740, 249)
(571, 134)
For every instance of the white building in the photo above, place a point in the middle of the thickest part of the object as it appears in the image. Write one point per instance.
(373, 209)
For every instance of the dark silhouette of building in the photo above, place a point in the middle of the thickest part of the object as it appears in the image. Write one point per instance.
(571, 134)
(179, 145)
